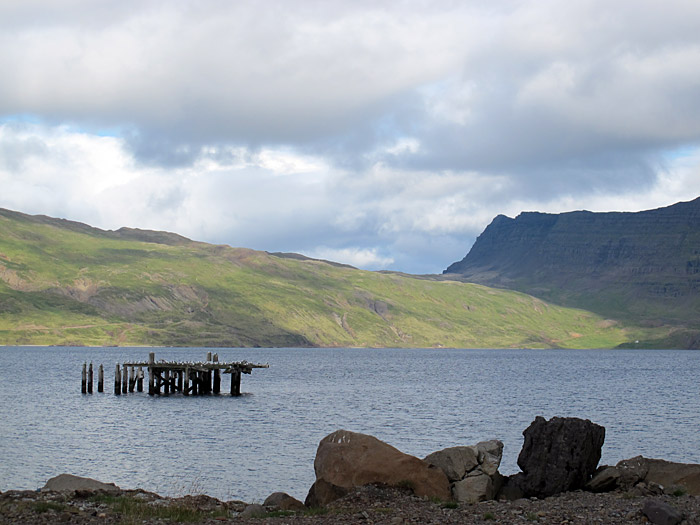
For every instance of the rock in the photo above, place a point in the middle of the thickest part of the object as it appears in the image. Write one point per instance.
(455, 462)
(283, 501)
(661, 513)
(474, 489)
(69, 483)
(254, 510)
(605, 479)
(490, 454)
(667, 473)
(632, 471)
(348, 459)
(558, 455)
(322, 493)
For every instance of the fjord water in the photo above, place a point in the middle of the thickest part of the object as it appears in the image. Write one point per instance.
(265, 441)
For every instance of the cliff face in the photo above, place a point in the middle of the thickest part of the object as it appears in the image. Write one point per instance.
(643, 265)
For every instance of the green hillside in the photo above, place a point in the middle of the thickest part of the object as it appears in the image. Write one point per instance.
(66, 283)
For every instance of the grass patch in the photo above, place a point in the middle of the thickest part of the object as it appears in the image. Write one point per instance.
(489, 516)
(450, 505)
(133, 511)
(41, 507)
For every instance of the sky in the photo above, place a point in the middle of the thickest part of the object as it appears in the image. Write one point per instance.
(385, 135)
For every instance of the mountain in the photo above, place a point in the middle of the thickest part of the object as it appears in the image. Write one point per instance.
(67, 283)
(637, 267)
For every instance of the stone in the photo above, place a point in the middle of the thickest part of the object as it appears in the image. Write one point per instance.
(70, 483)
(661, 513)
(558, 455)
(490, 454)
(474, 489)
(455, 462)
(668, 473)
(632, 471)
(283, 501)
(322, 493)
(349, 459)
(604, 479)
(254, 510)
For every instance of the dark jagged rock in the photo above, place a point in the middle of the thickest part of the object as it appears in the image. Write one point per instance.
(643, 266)
(558, 455)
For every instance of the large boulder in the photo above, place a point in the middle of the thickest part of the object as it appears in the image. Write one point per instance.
(455, 462)
(69, 483)
(629, 472)
(347, 459)
(283, 501)
(472, 471)
(670, 474)
(558, 455)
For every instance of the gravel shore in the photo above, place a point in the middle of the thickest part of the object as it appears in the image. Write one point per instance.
(366, 505)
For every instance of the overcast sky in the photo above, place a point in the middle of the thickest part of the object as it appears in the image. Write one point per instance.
(386, 135)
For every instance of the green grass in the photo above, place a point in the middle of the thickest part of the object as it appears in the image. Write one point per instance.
(132, 510)
(78, 286)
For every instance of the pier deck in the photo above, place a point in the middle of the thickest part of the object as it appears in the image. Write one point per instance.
(169, 377)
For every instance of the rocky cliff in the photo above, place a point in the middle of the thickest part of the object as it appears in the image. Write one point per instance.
(643, 266)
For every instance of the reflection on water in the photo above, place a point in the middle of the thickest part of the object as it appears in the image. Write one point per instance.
(265, 441)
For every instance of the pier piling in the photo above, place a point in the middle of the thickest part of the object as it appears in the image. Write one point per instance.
(90, 377)
(139, 380)
(117, 381)
(83, 387)
(125, 380)
(101, 379)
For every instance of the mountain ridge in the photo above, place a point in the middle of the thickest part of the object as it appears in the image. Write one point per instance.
(638, 266)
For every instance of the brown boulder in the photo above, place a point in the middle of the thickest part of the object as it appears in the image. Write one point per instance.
(283, 501)
(669, 474)
(348, 459)
(68, 483)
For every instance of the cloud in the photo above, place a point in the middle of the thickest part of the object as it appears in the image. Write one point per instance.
(387, 133)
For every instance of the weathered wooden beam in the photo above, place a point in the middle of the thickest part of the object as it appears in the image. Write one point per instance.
(83, 385)
(217, 375)
(101, 379)
(125, 380)
(117, 381)
(139, 379)
(236, 382)
(90, 379)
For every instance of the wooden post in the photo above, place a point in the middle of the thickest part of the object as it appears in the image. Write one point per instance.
(217, 376)
(139, 379)
(132, 379)
(166, 385)
(236, 382)
(83, 387)
(208, 356)
(101, 379)
(117, 381)
(178, 385)
(90, 378)
(125, 380)
(151, 374)
(195, 382)
(186, 382)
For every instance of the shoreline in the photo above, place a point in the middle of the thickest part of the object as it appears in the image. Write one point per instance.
(367, 504)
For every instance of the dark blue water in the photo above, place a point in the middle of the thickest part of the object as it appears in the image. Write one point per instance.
(265, 441)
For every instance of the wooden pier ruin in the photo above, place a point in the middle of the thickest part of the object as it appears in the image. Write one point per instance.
(166, 378)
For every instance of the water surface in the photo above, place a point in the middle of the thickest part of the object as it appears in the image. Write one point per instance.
(265, 441)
